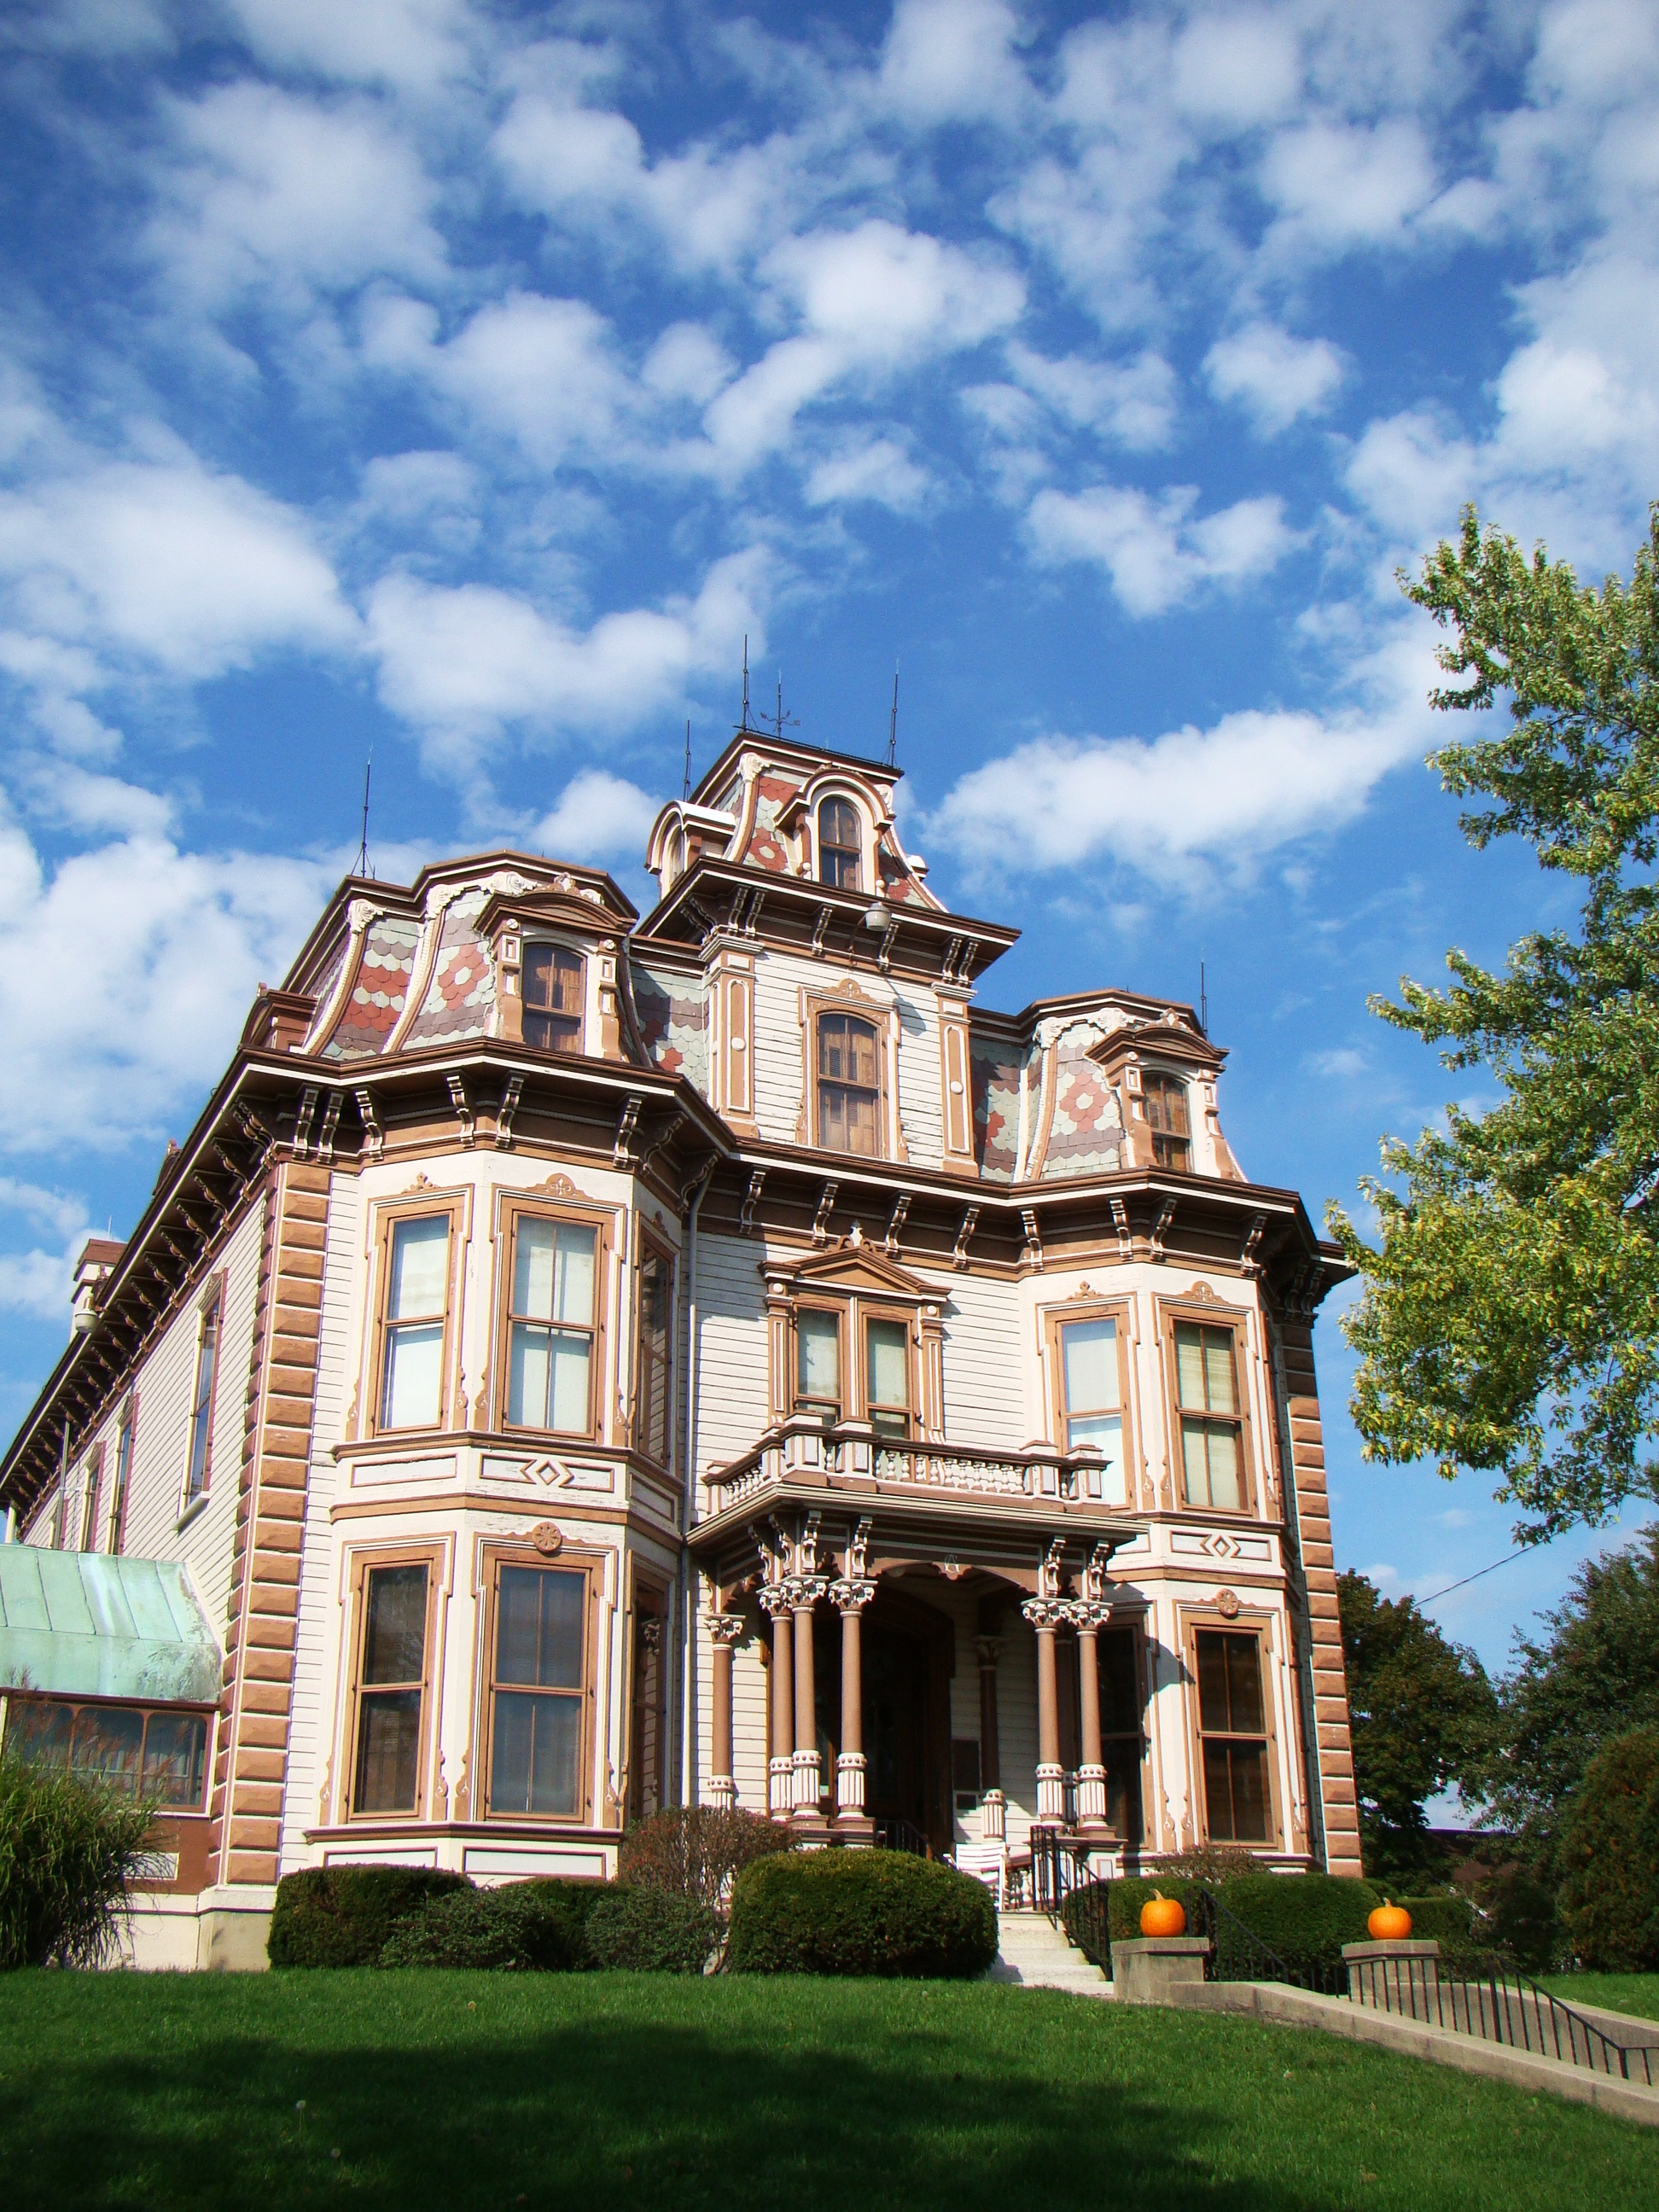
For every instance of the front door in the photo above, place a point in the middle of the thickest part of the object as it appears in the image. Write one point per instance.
(896, 1729)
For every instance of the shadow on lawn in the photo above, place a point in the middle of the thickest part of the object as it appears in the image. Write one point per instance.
(600, 2112)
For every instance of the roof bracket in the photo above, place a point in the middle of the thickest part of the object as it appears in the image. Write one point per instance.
(373, 1134)
(751, 1201)
(621, 1152)
(1032, 1256)
(1166, 1215)
(303, 1120)
(463, 1108)
(330, 1123)
(1126, 1242)
(826, 1207)
(511, 1091)
(901, 1207)
(959, 1257)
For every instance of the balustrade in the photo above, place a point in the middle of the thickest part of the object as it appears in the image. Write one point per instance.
(805, 1451)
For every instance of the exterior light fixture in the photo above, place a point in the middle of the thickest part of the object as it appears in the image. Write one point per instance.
(877, 914)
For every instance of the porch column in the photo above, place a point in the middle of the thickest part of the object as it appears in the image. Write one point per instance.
(850, 1598)
(993, 1806)
(1045, 1615)
(774, 1604)
(725, 1630)
(805, 1592)
(1089, 1617)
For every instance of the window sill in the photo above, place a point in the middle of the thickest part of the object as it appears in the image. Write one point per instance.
(193, 1512)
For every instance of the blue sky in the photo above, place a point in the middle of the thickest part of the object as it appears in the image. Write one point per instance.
(467, 382)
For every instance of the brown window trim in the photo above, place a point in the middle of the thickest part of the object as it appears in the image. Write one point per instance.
(645, 1244)
(823, 848)
(869, 1309)
(1054, 1318)
(431, 1557)
(1162, 1081)
(90, 1499)
(493, 1556)
(17, 1701)
(1204, 1315)
(428, 1205)
(210, 1313)
(535, 940)
(511, 1206)
(839, 1312)
(881, 1017)
(126, 1445)
(850, 1312)
(1249, 1622)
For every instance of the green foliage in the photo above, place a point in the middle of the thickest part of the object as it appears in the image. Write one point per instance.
(697, 1851)
(525, 1926)
(1126, 1896)
(342, 1916)
(651, 1931)
(860, 1912)
(1610, 1856)
(68, 1849)
(1447, 1920)
(1306, 1918)
(1213, 1863)
(1510, 1316)
(1422, 1712)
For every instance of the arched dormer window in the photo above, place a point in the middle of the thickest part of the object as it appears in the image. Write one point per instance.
(1166, 1097)
(849, 1085)
(554, 988)
(841, 844)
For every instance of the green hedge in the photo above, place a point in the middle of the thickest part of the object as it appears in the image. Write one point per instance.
(651, 1931)
(538, 1926)
(1305, 1917)
(1126, 1896)
(860, 1912)
(1445, 1919)
(342, 1916)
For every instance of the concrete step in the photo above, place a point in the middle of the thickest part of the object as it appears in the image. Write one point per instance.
(1032, 1952)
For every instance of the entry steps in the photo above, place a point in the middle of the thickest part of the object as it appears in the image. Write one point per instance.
(1032, 1951)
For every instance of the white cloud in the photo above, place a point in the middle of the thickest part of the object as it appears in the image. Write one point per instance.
(1339, 1065)
(951, 61)
(1338, 187)
(878, 470)
(1132, 403)
(39, 1282)
(1275, 378)
(1155, 552)
(686, 363)
(598, 817)
(416, 43)
(110, 30)
(1235, 70)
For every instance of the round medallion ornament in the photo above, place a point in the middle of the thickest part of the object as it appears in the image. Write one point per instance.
(1226, 1604)
(548, 1537)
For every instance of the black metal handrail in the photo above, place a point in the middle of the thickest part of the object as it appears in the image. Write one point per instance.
(1237, 1954)
(901, 1835)
(1486, 1995)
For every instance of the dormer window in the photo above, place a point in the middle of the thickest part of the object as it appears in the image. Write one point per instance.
(849, 1085)
(841, 844)
(553, 994)
(1166, 1097)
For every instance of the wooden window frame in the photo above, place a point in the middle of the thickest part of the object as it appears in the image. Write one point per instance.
(209, 1313)
(882, 1015)
(511, 1206)
(1159, 1077)
(841, 799)
(126, 1443)
(865, 1311)
(94, 1482)
(428, 1205)
(529, 940)
(841, 1312)
(17, 1702)
(866, 1018)
(493, 1556)
(1233, 1320)
(851, 1310)
(1257, 1623)
(647, 1245)
(363, 1563)
(1053, 1319)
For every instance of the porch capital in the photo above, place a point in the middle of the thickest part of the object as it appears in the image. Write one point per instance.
(724, 1628)
(1087, 1615)
(851, 1596)
(1046, 1612)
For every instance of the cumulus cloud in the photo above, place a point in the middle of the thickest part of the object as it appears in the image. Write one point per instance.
(1132, 403)
(38, 1281)
(1275, 378)
(598, 817)
(951, 61)
(878, 471)
(415, 44)
(1156, 553)
(1336, 185)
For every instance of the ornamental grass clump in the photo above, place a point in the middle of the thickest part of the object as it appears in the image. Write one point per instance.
(860, 1912)
(69, 1850)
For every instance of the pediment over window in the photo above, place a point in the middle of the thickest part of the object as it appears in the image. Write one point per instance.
(860, 1271)
(1166, 1041)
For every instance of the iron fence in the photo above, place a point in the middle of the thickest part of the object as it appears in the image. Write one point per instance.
(1487, 1997)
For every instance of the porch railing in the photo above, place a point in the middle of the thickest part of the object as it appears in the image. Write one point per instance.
(807, 1451)
(901, 1835)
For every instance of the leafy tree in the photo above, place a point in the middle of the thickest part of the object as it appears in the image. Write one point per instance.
(1510, 1320)
(1610, 1857)
(1422, 1713)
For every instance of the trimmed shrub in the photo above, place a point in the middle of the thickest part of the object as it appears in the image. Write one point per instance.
(1446, 1919)
(1305, 1917)
(68, 1849)
(342, 1916)
(1211, 1863)
(651, 1931)
(860, 1912)
(532, 1926)
(1609, 1853)
(697, 1851)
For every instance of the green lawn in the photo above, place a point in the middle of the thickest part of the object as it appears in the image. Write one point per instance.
(1637, 1993)
(457, 2091)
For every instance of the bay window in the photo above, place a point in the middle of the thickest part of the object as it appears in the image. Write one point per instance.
(414, 1302)
(1211, 1426)
(551, 1324)
(1233, 1733)
(537, 1691)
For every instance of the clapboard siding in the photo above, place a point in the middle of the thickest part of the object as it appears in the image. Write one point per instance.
(731, 1351)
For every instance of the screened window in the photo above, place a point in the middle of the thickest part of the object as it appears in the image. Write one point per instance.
(417, 1292)
(391, 1690)
(1121, 1741)
(140, 1753)
(651, 1366)
(887, 1377)
(841, 844)
(818, 1363)
(201, 1411)
(1233, 1726)
(536, 1726)
(118, 1503)
(550, 1325)
(553, 991)
(1092, 1380)
(1212, 1429)
(849, 1085)
(1165, 1097)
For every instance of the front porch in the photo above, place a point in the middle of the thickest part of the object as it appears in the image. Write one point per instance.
(944, 1671)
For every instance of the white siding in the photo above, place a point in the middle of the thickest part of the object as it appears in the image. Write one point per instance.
(731, 1351)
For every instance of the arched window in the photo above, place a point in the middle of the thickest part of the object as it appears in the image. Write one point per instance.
(553, 994)
(849, 1085)
(1166, 1097)
(841, 844)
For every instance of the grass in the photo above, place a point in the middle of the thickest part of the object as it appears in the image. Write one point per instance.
(1633, 1993)
(458, 2091)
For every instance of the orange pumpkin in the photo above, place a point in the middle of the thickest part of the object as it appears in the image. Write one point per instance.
(1163, 1916)
(1389, 1923)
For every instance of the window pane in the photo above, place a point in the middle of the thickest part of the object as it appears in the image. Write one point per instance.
(538, 975)
(539, 1627)
(394, 1638)
(529, 1364)
(1244, 1684)
(388, 1751)
(414, 1376)
(536, 1745)
(567, 1407)
(109, 1745)
(1214, 1709)
(1225, 1490)
(1103, 1432)
(1089, 1358)
(1121, 1760)
(420, 1269)
(1196, 1461)
(860, 1124)
(817, 1339)
(653, 1381)
(888, 1365)
(535, 1247)
(572, 1280)
(1219, 1370)
(1236, 1792)
(1120, 1689)
(175, 1754)
(39, 1732)
(1190, 1364)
